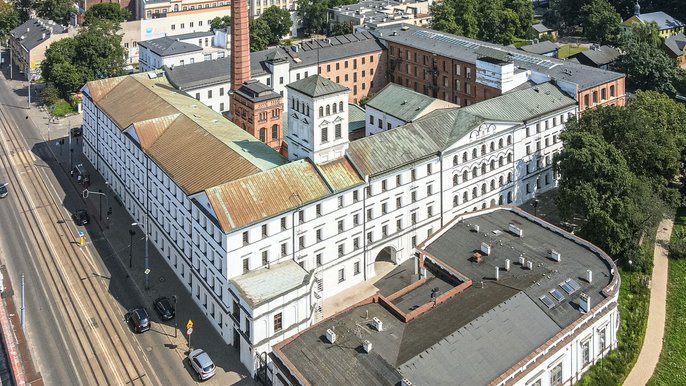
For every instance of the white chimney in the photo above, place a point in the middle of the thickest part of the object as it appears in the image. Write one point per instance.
(485, 248)
(497, 273)
(521, 260)
(422, 272)
(331, 336)
(585, 302)
(507, 265)
(589, 276)
(475, 227)
(43, 36)
(378, 324)
(367, 346)
(516, 230)
(530, 265)
(555, 255)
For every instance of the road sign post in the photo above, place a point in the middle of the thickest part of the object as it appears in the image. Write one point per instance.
(82, 238)
(189, 331)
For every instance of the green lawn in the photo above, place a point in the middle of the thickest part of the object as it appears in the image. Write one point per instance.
(671, 369)
(569, 50)
(61, 109)
(633, 310)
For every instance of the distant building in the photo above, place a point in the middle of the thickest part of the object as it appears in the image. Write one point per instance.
(396, 105)
(545, 48)
(542, 31)
(179, 50)
(258, 110)
(598, 56)
(666, 25)
(494, 297)
(676, 48)
(373, 14)
(30, 40)
(356, 122)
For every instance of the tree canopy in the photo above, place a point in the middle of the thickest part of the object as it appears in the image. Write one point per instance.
(56, 10)
(601, 22)
(498, 21)
(259, 34)
(313, 14)
(94, 53)
(616, 169)
(279, 22)
(220, 22)
(106, 11)
(9, 19)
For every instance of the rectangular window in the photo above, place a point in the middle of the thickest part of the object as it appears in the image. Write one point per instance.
(325, 134)
(283, 223)
(430, 211)
(341, 227)
(370, 237)
(602, 338)
(414, 174)
(556, 375)
(357, 268)
(384, 231)
(301, 242)
(356, 243)
(246, 239)
(586, 352)
(337, 131)
(356, 196)
(429, 190)
(369, 214)
(246, 265)
(341, 250)
(356, 219)
(318, 233)
(265, 257)
(278, 322)
(264, 230)
(341, 275)
(428, 169)
(384, 208)
(398, 202)
(414, 241)
(398, 180)
(384, 186)
(413, 196)
(301, 216)
(414, 217)
(318, 209)
(340, 201)
(399, 224)
(284, 249)
(318, 259)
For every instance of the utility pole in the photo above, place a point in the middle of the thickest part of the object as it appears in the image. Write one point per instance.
(22, 302)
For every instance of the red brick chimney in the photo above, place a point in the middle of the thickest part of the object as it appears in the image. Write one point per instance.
(240, 44)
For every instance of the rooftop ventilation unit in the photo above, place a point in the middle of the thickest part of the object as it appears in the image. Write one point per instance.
(475, 228)
(377, 323)
(330, 336)
(555, 255)
(530, 265)
(516, 230)
(405, 382)
(585, 303)
(522, 261)
(367, 346)
(152, 75)
(507, 265)
(485, 248)
(497, 273)
(589, 276)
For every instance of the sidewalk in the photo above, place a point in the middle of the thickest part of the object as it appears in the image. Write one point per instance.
(652, 344)
(110, 241)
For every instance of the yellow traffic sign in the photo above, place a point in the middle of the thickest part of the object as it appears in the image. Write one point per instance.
(189, 325)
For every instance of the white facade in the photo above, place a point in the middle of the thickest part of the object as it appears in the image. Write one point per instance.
(214, 97)
(337, 238)
(378, 121)
(208, 49)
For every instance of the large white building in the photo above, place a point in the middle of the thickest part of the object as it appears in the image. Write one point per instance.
(179, 50)
(533, 306)
(259, 241)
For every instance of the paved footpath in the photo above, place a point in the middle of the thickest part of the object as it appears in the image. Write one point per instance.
(652, 344)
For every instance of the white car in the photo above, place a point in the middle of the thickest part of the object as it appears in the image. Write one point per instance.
(202, 364)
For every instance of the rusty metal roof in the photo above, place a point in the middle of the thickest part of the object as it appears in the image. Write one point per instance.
(263, 195)
(340, 174)
(196, 146)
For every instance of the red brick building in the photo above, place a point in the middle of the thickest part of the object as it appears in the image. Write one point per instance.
(258, 110)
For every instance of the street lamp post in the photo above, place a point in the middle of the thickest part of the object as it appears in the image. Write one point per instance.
(145, 230)
(131, 233)
(631, 276)
(176, 311)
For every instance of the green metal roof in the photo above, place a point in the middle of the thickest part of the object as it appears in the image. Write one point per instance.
(316, 85)
(520, 106)
(400, 102)
(356, 117)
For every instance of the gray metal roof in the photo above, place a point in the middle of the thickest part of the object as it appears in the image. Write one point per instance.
(316, 86)
(485, 348)
(522, 105)
(256, 91)
(33, 29)
(356, 117)
(173, 45)
(400, 102)
(201, 74)
(261, 285)
(663, 20)
(540, 48)
(676, 43)
(601, 56)
(540, 28)
(464, 49)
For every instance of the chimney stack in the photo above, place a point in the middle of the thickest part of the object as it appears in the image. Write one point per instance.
(240, 44)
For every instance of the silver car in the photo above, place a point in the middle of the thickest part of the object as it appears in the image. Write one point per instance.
(201, 363)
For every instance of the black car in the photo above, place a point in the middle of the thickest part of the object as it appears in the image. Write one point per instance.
(138, 319)
(81, 217)
(164, 308)
(3, 190)
(76, 131)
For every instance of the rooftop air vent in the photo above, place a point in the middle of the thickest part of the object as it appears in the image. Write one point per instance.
(555, 255)
(377, 323)
(486, 248)
(152, 75)
(584, 303)
(516, 230)
(367, 346)
(331, 336)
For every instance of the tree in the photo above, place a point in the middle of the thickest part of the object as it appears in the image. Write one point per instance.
(466, 17)
(50, 95)
(498, 24)
(564, 13)
(341, 29)
(106, 11)
(259, 34)
(220, 22)
(67, 78)
(9, 19)
(56, 10)
(601, 22)
(443, 18)
(524, 9)
(61, 51)
(279, 22)
(313, 15)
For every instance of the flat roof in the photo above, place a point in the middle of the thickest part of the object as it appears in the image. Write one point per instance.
(465, 49)
(472, 337)
(262, 285)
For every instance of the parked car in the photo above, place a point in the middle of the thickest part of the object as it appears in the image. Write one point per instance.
(77, 131)
(81, 217)
(202, 364)
(138, 319)
(3, 190)
(164, 308)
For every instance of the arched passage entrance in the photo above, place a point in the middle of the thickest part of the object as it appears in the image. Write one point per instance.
(385, 261)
